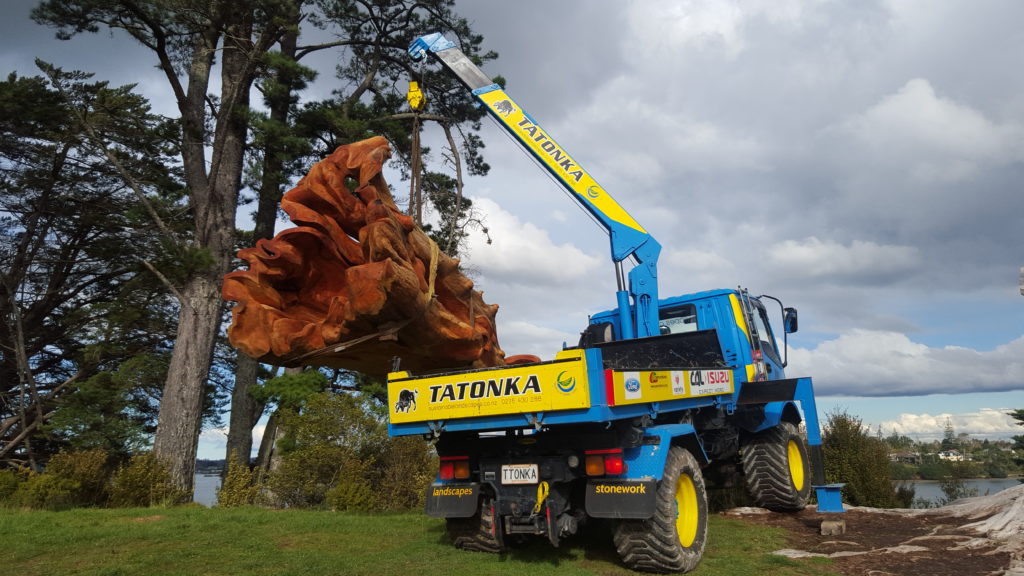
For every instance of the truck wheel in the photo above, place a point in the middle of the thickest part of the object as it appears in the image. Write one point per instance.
(479, 533)
(777, 469)
(673, 540)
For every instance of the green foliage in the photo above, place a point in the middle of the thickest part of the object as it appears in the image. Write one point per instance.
(336, 453)
(145, 481)
(71, 479)
(934, 470)
(9, 483)
(900, 471)
(46, 492)
(240, 487)
(290, 390)
(859, 460)
(113, 410)
(72, 242)
(954, 488)
(905, 492)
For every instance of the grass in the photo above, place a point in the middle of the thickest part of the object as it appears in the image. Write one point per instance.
(254, 541)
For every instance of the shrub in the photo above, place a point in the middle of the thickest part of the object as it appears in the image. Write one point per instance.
(351, 496)
(240, 487)
(858, 460)
(145, 481)
(407, 468)
(9, 483)
(88, 469)
(46, 492)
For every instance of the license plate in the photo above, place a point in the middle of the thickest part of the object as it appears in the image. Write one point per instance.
(519, 474)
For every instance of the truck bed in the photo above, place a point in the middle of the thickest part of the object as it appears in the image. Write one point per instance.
(607, 382)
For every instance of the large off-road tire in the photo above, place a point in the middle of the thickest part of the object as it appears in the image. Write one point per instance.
(777, 469)
(673, 540)
(479, 533)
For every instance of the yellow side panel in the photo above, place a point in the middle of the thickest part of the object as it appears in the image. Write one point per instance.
(658, 386)
(555, 157)
(559, 385)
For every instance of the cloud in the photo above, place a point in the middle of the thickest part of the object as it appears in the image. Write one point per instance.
(520, 253)
(877, 363)
(986, 423)
(934, 139)
(522, 337)
(860, 262)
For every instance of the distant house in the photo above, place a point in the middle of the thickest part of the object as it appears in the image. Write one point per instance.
(905, 457)
(951, 456)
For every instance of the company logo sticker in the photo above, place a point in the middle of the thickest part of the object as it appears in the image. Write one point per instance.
(632, 385)
(406, 400)
(504, 107)
(593, 191)
(565, 384)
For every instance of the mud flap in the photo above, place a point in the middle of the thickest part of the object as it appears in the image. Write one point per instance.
(634, 499)
(452, 500)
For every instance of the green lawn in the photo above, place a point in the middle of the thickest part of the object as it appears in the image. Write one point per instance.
(254, 541)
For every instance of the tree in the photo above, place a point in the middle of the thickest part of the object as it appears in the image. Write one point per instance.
(187, 39)
(949, 436)
(74, 303)
(371, 39)
(854, 457)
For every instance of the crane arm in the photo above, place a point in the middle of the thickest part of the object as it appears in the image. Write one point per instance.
(627, 237)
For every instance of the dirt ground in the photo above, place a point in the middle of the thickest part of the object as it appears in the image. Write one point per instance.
(883, 544)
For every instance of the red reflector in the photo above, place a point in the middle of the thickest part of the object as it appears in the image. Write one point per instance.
(447, 470)
(613, 464)
(757, 356)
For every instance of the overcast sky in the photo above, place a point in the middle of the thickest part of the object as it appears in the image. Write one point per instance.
(862, 161)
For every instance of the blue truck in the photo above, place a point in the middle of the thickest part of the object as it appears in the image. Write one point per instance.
(625, 425)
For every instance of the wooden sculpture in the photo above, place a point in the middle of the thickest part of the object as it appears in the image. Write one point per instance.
(356, 283)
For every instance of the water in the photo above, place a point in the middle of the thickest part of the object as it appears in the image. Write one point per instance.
(206, 489)
(930, 490)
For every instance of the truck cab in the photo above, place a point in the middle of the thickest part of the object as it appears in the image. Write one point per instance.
(740, 321)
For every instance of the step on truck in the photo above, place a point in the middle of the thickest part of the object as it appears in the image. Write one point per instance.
(625, 425)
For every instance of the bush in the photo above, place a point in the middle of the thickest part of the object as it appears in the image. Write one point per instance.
(144, 481)
(351, 496)
(71, 480)
(240, 487)
(46, 492)
(858, 460)
(407, 468)
(9, 483)
(336, 453)
(89, 469)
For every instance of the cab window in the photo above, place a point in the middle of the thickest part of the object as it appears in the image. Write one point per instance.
(764, 331)
(678, 319)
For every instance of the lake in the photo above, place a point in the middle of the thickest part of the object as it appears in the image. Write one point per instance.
(206, 489)
(930, 490)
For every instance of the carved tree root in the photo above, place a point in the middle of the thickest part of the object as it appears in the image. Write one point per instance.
(356, 283)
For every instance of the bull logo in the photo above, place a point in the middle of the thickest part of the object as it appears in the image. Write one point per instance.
(504, 107)
(406, 399)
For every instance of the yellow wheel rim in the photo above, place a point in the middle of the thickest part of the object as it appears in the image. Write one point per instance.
(687, 512)
(796, 465)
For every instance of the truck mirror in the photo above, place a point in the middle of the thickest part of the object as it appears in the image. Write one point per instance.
(790, 323)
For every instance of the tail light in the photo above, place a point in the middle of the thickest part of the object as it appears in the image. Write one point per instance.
(454, 468)
(602, 462)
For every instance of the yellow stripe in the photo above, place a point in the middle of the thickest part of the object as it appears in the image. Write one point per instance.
(738, 313)
(555, 157)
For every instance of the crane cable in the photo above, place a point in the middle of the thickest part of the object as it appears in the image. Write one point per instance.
(417, 101)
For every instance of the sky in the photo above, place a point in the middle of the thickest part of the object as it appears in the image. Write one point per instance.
(861, 161)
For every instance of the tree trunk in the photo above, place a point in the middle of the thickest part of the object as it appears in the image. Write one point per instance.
(245, 410)
(181, 408)
(214, 195)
